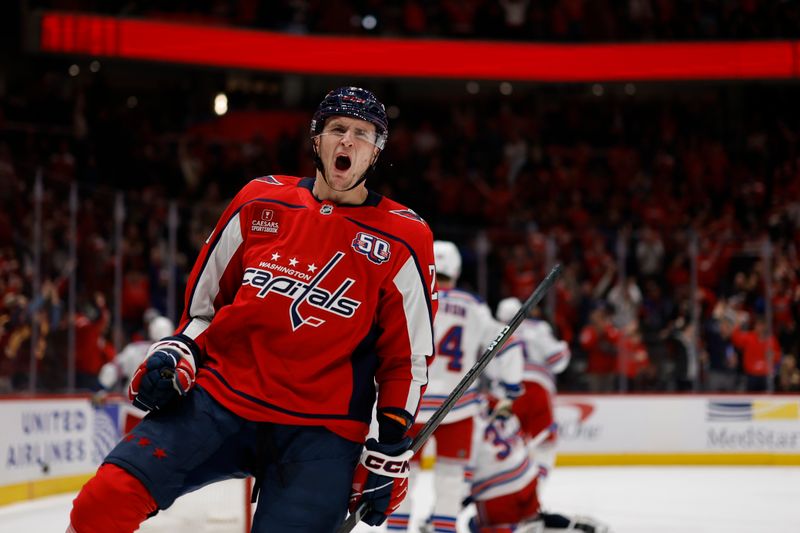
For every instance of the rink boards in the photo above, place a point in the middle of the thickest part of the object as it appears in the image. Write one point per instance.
(52, 444)
(678, 429)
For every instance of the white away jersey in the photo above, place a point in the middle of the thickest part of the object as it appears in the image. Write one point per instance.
(124, 364)
(463, 327)
(544, 354)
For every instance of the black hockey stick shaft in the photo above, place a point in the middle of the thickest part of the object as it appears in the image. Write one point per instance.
(469, 378)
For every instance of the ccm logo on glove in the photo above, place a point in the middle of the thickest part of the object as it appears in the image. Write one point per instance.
(387, 466)
(381, 479)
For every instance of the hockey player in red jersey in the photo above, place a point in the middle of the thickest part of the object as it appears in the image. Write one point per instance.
(307, 294)
(464, 326)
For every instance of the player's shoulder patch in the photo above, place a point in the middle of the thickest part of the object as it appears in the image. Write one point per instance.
(396, 209)
(409, 214)
(271, 180)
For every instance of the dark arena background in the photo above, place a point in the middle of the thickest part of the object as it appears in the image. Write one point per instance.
(651, 147)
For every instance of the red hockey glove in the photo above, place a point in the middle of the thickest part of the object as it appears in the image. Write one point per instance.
(381, 479)
(167, 372)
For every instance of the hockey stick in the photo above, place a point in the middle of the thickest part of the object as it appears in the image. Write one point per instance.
(491, 350)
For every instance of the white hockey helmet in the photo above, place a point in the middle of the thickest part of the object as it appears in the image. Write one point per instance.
(507, 308)
(160, 327)
(448, 259)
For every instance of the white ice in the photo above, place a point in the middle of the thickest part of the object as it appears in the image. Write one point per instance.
(629, 499)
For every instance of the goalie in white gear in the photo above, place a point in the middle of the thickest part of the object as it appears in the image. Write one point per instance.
(505, 486)
(463, 327)
(125, 363)
(504, 482)
(545, 356)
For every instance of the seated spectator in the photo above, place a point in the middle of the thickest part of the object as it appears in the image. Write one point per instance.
(686, 355)
(789, 374)
(599, 339)
(626, 298)
(14, 332)
(635, 359)
(722, 358)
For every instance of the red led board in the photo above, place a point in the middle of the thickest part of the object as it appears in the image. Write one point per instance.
(218, 46)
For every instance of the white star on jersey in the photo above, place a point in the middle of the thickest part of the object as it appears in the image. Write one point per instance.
(276, 256)
(293, 262)
(312, 268)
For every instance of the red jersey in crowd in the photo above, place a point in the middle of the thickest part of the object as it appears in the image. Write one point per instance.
(754, 351)
(634, 356)
(601, 347)
(282, 301)
(91, 349)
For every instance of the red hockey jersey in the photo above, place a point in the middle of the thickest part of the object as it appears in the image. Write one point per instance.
(301, 306)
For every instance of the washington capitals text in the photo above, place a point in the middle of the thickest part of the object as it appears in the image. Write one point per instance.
(298, 291)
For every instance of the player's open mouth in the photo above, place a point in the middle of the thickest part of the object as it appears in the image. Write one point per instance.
(342, 162)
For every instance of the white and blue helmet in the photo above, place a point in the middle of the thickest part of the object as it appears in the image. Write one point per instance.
(447, 258)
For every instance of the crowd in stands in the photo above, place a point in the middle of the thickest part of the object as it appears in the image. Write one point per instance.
(549, 20)
(624, 190)
(674, 209)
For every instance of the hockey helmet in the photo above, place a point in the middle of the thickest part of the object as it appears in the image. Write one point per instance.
(353, 102)
(447, 258)
(507, 308)
(159, 327)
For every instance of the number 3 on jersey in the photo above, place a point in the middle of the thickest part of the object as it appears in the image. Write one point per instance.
(450, 346)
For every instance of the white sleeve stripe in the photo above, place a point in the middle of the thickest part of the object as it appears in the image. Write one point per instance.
(196, 327)
(201, 305)
(420, 336)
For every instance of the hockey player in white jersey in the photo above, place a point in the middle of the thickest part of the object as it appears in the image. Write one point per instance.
(463, 327)
(545, 356)
(116, 374)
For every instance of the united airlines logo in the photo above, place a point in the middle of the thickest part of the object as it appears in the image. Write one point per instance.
(377, 250)
(307, 292)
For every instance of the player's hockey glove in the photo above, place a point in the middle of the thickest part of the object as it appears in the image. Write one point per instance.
(167, 372)
(501, 410)
(381, 479)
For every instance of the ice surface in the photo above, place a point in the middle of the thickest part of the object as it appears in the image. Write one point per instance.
(630, 499)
